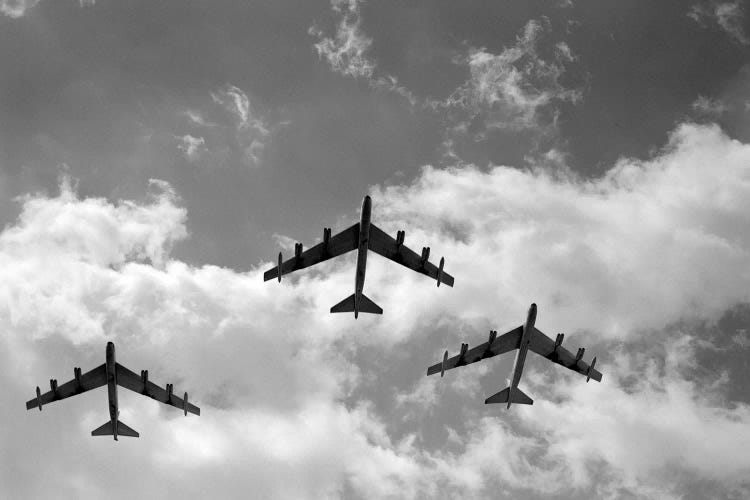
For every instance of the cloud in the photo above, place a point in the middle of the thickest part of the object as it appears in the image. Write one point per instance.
(510, 89)
(708, 106)
(227, 129)
(346, 52)
(727, 15)
(191, 146)
(18, 8)
(252, 131)
(299, 403)
(668, 225)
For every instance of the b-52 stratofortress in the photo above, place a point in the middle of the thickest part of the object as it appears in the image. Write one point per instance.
(362, 236)
(523, 338)
(111, 374)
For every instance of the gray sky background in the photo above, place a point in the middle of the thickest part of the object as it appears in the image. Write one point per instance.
(590, 156)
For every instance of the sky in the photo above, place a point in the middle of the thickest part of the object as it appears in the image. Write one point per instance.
(592, 157)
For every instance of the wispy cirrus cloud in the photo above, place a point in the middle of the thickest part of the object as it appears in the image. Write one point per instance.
(18, 8)
(511, 89)
(708, 106)
(191, 146)
(728, 16)
(347, 50)
(227, 128)
(252, 131)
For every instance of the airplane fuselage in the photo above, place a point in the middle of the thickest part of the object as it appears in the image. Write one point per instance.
(364, 238)
(523, 349)
(112, 387)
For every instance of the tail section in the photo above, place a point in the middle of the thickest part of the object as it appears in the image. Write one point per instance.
(365, 305)
(108, 430)
(502, 397)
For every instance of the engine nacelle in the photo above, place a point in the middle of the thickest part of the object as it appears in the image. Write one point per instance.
(400, 235)
(579, 354)
(39, 398)
(442, 367)
(279, 267)
(184, 404)
(425, 255)
(170, 389)
(559, 340)
(144, 380)
(326, 235)
(464, 348)
(490, 341)
(53, 385)
(77, 377)
(297, 250)
(440, 270)
(591, 368)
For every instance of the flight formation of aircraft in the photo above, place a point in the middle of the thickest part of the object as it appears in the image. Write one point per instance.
(362, 236)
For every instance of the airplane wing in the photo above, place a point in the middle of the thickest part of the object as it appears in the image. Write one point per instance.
(142, 385)
(81, 383)
(500, 345)
(345, 241)
(380, 242)
(545, 346)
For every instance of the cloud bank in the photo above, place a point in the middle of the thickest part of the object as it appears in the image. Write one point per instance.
(294, 400)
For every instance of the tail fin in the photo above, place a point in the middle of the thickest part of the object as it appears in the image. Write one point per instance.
(502, 397)
(365, 305)
(107, 430)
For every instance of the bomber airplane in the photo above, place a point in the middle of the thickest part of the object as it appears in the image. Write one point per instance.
(362, 236)
(111, 374)
(523, 338)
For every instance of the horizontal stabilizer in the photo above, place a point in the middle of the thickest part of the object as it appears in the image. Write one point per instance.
(122, 430)
(365, 305)
(502, 397)
(104, 430)
(368, 306)
(345, 306)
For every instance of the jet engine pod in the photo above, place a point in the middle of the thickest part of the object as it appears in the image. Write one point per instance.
(39, 398)
(297, 250)
(591, 368)
(464, 348)
(400, 235)
(144, 380)
(440, 270)
(279, 268)
(170, 389)
(490, 341)
(425, 255)
(579, 354)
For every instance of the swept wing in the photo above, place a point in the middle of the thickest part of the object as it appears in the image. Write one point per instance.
(380, 242)
(80, 383)
(142, 385)
(499, 345)
(555, 352)
(345, 241)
